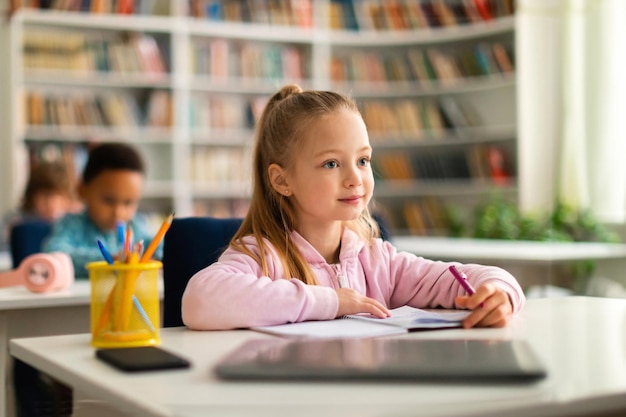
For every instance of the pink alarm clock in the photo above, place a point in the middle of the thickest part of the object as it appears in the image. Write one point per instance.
(41, 272)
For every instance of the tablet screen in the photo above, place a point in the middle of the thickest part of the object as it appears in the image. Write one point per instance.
(383, 358)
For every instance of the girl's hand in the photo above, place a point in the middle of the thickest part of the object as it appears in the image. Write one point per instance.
(351, 302)
(496, 310)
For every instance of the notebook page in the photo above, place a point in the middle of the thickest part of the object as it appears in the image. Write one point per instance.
(331, 329)
(414, 318)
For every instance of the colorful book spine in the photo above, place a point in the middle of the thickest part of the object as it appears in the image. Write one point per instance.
(401, 15)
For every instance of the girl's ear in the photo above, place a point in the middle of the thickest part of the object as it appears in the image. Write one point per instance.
(278, 179)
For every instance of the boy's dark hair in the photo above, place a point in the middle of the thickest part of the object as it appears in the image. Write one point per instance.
(47, 177)
(115, 156)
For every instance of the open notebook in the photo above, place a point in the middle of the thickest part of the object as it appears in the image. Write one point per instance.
(402, 320)
(408, 359)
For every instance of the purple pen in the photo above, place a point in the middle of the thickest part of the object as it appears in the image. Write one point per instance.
(462, 279)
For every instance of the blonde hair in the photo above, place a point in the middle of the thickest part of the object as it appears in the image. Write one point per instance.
(287, 115)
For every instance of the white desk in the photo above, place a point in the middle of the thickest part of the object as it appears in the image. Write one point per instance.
(23, 314)
(581, 340)
(27, 314)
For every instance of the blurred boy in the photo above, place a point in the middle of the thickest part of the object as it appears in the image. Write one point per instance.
(111, 188)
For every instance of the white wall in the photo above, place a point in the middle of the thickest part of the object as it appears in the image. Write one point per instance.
(538, 60)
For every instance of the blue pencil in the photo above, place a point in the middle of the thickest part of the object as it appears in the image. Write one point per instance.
(121, 232)
(105, 253)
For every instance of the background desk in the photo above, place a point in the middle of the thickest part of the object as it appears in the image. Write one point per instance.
(476, 250)
(533, 263)
(582, 341)
(23, 314)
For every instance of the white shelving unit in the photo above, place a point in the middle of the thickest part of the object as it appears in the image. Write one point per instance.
(176, 154)
(158, 144)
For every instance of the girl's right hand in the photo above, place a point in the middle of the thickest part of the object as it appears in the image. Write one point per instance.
(351, 302)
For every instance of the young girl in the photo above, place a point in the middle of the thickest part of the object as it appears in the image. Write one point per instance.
(48, 195)
(308, 248)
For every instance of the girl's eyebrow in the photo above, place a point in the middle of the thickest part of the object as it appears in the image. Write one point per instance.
(333, 151)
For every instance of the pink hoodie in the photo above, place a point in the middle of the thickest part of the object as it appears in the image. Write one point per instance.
(233, 292)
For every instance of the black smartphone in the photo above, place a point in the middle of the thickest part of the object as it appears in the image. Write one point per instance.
(143, 358)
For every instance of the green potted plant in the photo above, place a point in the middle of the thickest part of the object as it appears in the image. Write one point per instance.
(501, 219)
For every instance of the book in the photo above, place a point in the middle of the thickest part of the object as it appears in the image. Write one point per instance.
(395, 15)
(452, 112)
(414, 219)
(484, 9)
(497, 165)
(402, 320)
(343, 15)
(445, 13)
(501, 56)
(415, 15)
(125, 7)
(148, 55)
(302, 12)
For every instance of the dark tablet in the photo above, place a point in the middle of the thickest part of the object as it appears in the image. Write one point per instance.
(144, 358)
(384, 358)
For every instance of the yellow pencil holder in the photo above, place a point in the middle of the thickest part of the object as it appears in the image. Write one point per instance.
(124, 304)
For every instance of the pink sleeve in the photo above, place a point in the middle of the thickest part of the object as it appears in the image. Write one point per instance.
(232, 293)
(425, 283)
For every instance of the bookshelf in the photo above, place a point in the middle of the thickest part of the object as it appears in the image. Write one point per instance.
(439, 99)
(185, 81)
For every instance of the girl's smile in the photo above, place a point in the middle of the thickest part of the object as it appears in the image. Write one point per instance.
(352, 200)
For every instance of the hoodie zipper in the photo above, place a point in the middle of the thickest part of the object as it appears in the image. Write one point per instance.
(341, 277)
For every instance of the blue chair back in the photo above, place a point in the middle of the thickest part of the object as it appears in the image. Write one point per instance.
(26, 238)
(189, 245)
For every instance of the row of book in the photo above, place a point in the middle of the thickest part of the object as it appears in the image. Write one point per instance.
(97, 109)
(414, 14)
(387, 120)
(447, 66)
(423, 217)
(420, 216)
(344, 14)
(413, 119)
(140, 7)
(405, 119)
(221, 58)
(266, 12)
(225, 112)
(63, 50)
(417, 119)
(489, 163)
(220, 168)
